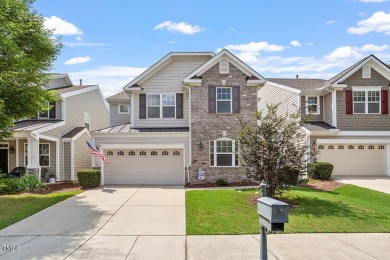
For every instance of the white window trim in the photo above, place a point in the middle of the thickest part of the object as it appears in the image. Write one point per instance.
(119, 109)
(25, 155)
(318, 105)
(161, 106)
(231, 100)
(48, 112)
(366, 89)
(215, 153)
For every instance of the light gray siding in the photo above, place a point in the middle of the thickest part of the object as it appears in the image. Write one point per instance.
(168, 80)
(82, 154)
(67, 162)
(57, 83)
(327, 107)
(115, 117)
(58, 109)
(269, 94)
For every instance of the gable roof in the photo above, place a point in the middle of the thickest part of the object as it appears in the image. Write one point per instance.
(118, 96)
(301, 84)
(59, 80)
(340, 77)
(225, 54)
(159, 65)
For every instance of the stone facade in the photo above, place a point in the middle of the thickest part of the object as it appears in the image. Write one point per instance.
(207, 126)
(362, 122)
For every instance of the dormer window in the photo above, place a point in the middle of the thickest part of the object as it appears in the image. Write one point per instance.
(123, 109)
(313, 105)
(366, 72)
(224, 67)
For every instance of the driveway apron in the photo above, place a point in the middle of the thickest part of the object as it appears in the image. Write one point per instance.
(111, 222)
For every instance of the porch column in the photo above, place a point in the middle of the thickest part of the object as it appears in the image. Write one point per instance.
(33, 156)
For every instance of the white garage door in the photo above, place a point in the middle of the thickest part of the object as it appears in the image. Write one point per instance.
(355, 159)
(153, 167)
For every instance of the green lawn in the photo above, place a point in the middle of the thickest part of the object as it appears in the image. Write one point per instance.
(346, 209)
(14, 208)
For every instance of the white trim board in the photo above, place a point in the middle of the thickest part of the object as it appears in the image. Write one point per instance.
(353, 141)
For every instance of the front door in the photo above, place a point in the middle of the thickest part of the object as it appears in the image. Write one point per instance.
(4, 160)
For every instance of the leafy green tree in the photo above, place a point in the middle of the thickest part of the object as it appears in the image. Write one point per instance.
(274, 150)
(27, 52)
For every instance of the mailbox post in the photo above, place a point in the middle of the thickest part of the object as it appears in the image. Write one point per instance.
(272, 216)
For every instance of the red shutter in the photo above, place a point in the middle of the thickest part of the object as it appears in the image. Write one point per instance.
(384, 101)
(348, 102)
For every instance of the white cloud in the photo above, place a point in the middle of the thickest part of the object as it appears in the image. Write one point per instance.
(295, 43)
(181, 27)
(250, 52)
(378, 22)
(372, 1)
(310, 43)
(330, 21)
(78, 60)
(353, 52)
(344, 53)
(61, 26)
(85, 44)
(171, 42)
(232, 29)
(111, 79)
(374, 48)
(79, 39)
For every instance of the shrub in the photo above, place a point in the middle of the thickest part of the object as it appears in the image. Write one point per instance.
(320, 170)
(9, 185)
(51, 175)
(289, 175)
(30, 183)
(221, 182)
(89, 178)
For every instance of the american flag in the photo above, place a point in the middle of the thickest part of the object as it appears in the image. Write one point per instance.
(95, 151)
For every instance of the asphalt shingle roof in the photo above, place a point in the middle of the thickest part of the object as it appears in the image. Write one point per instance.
(301, 84)
(120, 95)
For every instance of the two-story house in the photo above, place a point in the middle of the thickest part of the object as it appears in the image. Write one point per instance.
(185, 114)
(346, 117)
(55, 139)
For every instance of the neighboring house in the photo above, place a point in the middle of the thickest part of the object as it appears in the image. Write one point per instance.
(119, 108)
(55, 140)
(346, 116)
(185, 115)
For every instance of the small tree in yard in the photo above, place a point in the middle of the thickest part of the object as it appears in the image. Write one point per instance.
(274, 150)
(27, 52)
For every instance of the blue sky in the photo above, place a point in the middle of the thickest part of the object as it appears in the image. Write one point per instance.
(111, 42)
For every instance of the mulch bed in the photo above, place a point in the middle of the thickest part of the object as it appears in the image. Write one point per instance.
(57, 187)
(213, 185)
(322, 185)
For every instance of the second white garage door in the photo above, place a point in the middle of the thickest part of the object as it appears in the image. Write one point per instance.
(150, 167)
(355, 159)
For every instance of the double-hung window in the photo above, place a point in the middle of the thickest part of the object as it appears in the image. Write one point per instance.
(223, 153)
(224, 100)
(366, 100)
(313, 105)
(44, 154)
(45, 113)
(123, 109)
(161, 105)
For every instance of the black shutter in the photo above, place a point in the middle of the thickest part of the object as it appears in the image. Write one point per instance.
(142, 106)
(236, 99)
(179, 105)
(52, 111)
(212, 100)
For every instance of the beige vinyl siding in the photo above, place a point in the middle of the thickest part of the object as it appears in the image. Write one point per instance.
(115, 117)
(11, 156)
(268, 94)
(20, 151)
(67, 162)
(89, 102)
(144, 140)
(168, 80)
(82, 155)
(58, 109)
(327, 107)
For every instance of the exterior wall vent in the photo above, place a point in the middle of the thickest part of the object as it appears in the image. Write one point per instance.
(366, 72)
(224, 67)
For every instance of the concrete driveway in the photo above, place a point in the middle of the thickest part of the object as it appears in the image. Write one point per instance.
(114, 222)
(374, 183)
